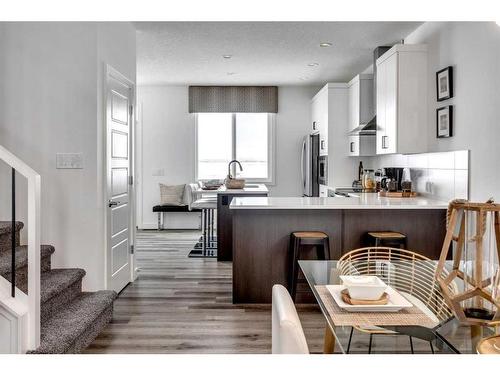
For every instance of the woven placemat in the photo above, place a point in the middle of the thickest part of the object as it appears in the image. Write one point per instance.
(411, 316)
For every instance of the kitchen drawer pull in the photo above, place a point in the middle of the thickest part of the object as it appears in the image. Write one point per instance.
(322, 145)
(384, 141)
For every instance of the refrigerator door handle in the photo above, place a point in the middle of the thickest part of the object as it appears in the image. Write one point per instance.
(302, 157)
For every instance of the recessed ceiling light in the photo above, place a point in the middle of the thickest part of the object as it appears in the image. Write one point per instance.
(325, 44)
(227, 56)
(231, 73)
(304, 78)
(313, 64)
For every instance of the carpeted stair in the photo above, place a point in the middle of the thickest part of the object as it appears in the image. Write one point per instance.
(70, 319)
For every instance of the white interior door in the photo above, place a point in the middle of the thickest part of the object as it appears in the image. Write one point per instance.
(119, 156)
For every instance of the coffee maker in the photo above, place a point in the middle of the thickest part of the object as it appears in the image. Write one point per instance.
(389, 174)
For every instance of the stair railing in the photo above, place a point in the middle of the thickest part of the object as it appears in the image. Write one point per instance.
(33, 229)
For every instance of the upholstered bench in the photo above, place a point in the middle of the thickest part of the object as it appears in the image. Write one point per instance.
(162, 209)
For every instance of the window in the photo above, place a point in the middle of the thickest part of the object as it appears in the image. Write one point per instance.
(246, 137)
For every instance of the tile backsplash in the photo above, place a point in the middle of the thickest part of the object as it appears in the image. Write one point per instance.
(440, 175)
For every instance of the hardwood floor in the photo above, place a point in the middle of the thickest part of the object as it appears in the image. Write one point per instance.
(183, 305)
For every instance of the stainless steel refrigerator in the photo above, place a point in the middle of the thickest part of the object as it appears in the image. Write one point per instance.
(309, 165)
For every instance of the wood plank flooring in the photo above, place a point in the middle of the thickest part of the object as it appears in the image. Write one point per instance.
(184, 305)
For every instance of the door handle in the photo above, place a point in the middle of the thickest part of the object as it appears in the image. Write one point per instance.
(302, 156)
(112, 203)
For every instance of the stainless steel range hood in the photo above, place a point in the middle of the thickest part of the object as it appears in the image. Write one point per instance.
(370, 128)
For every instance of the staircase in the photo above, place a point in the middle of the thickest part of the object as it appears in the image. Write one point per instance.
(70, 319)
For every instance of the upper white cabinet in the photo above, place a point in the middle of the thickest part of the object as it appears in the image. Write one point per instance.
(361, 111)
(402, 100)
(330, 111)
(319, 112)
(361, 103)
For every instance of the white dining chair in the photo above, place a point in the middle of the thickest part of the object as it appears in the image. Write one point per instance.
(208, 206)
(411, 273)
(287, 334)
(190, 195)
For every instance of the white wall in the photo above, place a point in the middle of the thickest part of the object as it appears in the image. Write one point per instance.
(473, 49)
(293, 122)
(168, 142)
(50, 102)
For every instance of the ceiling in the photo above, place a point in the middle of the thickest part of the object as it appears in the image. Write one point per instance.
(262, 53)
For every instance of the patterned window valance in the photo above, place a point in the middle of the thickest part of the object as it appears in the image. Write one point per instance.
(233, 99)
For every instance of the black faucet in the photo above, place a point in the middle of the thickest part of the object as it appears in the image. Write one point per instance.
(229, 167)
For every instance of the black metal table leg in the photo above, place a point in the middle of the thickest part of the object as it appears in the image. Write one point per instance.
(350, 339)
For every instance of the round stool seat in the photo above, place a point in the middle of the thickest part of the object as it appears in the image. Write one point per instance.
(205, 203)
(386, 238)
(310, 234)
(386, 235)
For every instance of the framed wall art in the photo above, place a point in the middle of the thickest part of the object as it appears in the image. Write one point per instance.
(444, 122)
(444, 84)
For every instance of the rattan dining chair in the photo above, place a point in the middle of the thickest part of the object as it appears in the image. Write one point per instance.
(412, 274)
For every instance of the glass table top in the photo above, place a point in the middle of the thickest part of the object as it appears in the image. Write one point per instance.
(447, 336)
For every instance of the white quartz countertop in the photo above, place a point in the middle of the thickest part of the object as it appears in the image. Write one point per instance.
(363, 202)
(249, 189)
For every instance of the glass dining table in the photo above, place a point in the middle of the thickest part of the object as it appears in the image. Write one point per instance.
(444, 337)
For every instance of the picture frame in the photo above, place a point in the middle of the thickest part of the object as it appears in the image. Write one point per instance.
(444, 122)
(444, 84)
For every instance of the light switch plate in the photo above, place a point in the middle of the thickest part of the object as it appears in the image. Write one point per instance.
(158, 172)
(69, 160)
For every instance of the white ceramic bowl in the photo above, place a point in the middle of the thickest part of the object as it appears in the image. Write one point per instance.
(364, 287)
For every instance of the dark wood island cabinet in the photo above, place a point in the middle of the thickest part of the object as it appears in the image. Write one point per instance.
(225, 217)
(262, 227)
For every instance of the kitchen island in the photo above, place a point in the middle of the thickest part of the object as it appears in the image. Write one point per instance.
(224, 216)
(262, 228)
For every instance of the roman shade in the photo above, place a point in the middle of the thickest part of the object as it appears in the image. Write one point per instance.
(233, 99)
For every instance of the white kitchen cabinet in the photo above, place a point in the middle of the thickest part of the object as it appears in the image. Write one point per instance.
(323, 191)
(319, 111)
(330, 108)
(361, 102)
(361, 111)
(361, 145)
(353, 141)
(402, 100)
(315, 116)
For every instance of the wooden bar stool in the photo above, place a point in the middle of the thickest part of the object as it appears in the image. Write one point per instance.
(297, 240)
(387, 238)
